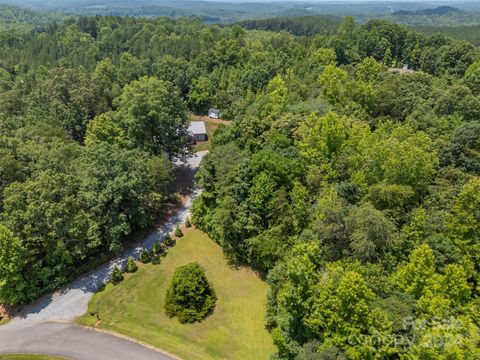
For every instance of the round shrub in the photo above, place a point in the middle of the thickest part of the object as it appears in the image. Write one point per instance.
(188, 224)
(190, 296)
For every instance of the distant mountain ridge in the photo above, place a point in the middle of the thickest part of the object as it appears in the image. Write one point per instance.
(300, 25)
(14, 17)
(414, 13)
(441, 10)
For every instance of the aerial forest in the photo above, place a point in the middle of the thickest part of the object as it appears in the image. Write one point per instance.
(351, 183)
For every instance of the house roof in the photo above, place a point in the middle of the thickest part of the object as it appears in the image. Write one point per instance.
(197, 127)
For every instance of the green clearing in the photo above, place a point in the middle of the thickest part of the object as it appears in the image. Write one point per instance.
(211, 125)
(28, 357)
(235, 330)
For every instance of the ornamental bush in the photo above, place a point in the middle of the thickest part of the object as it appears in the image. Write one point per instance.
(117, 275)
(157, 248)
(190, 296)
(145, 256)
(131, 265)
(167, 240)
(156, 259)
(178, 232)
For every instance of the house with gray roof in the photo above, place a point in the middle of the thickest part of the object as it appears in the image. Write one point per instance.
(198, 131)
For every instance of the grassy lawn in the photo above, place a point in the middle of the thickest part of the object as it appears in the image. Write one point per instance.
(28, 357)
(235, 330)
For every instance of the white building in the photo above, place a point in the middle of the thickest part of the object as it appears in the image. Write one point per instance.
(198, 131)
(214, 113)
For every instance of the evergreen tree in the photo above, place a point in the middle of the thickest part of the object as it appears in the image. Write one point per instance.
(131, 265)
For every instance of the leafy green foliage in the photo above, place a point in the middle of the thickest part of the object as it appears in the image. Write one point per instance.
(46, 212)
(357, 205)
(304, 25)
(117, 275)
(178, 232)
(168, 240)
(158, 249)
(131, 265)
(190, 296)
(13, 286)
(145, 256)
(19, 18)
(352, 185)
(154, 116)
(463, 149)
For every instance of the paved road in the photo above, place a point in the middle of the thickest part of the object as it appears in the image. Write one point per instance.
(33, 327)
(72, 342)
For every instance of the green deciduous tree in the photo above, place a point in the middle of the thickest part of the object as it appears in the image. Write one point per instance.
(114, 188)
(201, 94)
(154, 116)
(13, 285)
(333, 82)
(105, 128)
(292, 293)
(276, 99)
(472, 77)
(369, 70)
(465, 221)
(453, 338)
(342, 311)
(48, 214)
(463, 149)
(395, 156)
(372, 232)
(414, 276)
(323, 138)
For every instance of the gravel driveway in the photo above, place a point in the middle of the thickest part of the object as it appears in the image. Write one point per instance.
(72, 301)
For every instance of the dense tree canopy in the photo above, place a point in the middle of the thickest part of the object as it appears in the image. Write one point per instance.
(353, 186)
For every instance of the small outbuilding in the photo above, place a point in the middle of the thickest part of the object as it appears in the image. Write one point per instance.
(198, 131)
(402, 71)
(214, 113)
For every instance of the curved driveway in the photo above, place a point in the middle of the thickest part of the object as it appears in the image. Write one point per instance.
(33, 331)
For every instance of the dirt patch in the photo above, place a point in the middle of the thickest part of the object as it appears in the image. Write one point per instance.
(210, 120)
